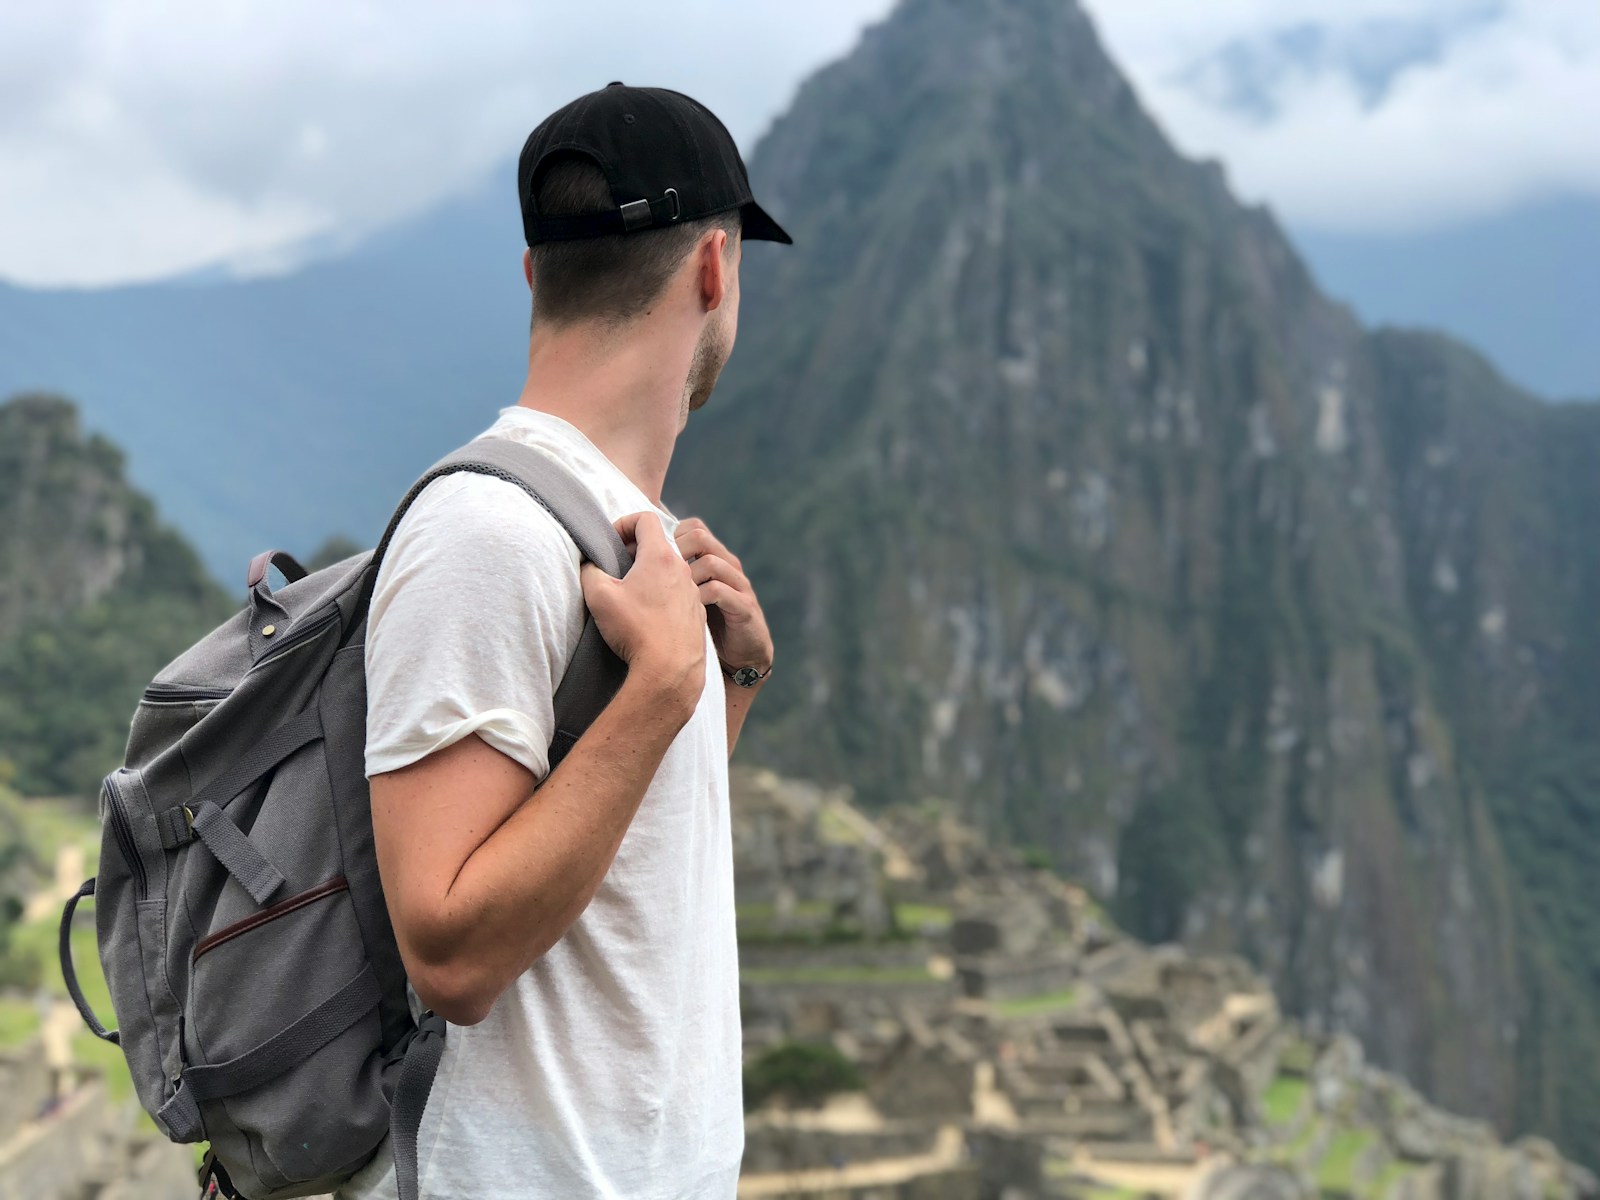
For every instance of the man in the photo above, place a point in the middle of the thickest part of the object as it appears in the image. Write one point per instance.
(576, 926)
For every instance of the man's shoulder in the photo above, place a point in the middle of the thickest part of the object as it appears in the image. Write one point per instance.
(473, 539)
(471, 512)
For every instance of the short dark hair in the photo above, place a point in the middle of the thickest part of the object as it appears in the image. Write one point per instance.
(612, 278)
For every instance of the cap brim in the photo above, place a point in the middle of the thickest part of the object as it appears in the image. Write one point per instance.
(757, 226)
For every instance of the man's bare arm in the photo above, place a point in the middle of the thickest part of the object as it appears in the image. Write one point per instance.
(737, 702)
(482, 871)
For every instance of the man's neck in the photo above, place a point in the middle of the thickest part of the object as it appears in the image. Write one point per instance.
(623, 392)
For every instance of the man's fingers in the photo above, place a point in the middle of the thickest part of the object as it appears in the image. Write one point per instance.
(732, 603)
(698, 541)
(641, 529)
(710, 566)
(626, 526)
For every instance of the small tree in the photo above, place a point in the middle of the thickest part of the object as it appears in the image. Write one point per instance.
(803, 1073)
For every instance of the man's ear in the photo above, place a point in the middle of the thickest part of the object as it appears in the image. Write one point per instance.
(713, 269)
(527, 268)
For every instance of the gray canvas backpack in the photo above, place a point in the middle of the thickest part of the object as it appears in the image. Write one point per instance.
(259, 994)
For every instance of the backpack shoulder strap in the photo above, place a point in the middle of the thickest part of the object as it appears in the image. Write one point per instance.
(595, 673)
(550, 484)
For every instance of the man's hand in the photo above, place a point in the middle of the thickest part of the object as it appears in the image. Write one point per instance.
(652, 617)
(738, 626)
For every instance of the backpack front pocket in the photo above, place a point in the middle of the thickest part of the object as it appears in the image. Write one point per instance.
(262, 1032)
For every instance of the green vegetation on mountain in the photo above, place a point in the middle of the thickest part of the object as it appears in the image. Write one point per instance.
(96, 595)
(1073, 501)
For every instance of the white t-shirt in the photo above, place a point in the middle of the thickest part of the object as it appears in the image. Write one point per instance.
(611, 1067)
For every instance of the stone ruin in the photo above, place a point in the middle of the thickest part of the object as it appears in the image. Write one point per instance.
(1012, 1044)
(62, 1135)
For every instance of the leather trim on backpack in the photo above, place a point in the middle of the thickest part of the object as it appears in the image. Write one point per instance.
(281, 908)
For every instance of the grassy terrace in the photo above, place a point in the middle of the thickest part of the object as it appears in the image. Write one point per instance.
(763, 913)
(1032, 1006)
(916, 917)
(19, 1021)
(1284, 1099)
(1389, 1177)
(52, 824)
(813, 921)
(839, 974)
(31, 949)
(1296, 1152)
(1336, 1172)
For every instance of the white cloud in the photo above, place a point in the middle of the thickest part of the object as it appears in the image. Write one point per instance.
(1496, 111)
(144, 138)
(141, 139)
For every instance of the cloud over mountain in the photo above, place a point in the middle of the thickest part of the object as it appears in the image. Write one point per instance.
(140, 142)
(1374, 116)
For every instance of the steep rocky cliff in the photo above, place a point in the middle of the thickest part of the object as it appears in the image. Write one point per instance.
(95, 595)
(1074, 501)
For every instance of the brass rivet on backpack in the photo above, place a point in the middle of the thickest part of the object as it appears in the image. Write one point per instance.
(268, 630)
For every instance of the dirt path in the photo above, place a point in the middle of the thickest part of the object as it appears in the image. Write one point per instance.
(1179, 1180)
(70, 874)
(948, 1151)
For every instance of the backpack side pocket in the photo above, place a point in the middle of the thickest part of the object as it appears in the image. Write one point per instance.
(131, 923)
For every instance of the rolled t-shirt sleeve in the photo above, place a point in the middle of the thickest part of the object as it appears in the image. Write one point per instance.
(477, 612)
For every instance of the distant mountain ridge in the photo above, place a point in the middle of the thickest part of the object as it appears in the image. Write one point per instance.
(279, 411)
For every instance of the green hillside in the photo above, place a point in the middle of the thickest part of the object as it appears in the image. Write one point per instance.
(96, 595)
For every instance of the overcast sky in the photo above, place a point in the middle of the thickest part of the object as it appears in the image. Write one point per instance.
(145, 138)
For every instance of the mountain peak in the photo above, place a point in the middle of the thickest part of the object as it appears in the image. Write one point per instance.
(946, 83)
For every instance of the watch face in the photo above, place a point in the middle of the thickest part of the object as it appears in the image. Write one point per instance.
(746, 676)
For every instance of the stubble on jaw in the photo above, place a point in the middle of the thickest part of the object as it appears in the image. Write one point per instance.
(710, 356)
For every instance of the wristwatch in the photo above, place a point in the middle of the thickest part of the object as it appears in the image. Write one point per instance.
(744, 676)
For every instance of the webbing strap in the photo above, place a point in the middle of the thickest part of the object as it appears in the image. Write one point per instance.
(411, 1099)
(203, 817)
(237, 853)
(265, 1062)
(228, 845)
(297, 731)
(70, 974)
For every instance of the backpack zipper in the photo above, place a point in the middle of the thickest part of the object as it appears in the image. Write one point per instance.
(122, 830)
(281, 909)
(171, 693)
(304, 633)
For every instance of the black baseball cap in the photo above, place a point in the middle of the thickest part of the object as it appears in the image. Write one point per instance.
(666, 157)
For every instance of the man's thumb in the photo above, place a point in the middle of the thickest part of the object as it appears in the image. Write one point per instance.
(594, 580)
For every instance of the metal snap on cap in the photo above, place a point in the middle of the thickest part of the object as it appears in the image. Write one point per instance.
(268, 630)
